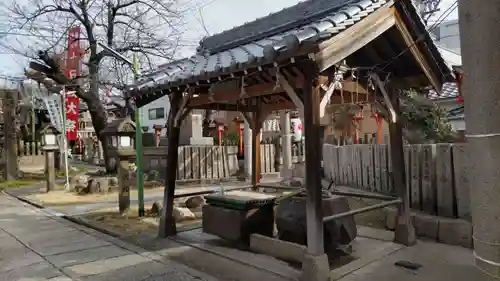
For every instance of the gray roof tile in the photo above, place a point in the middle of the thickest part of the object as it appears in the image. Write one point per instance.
(262, 40)
(449, 90)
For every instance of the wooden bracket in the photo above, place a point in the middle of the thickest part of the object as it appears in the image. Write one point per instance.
(291, 93)
(387, 99)
(250, 118)
(326, 97)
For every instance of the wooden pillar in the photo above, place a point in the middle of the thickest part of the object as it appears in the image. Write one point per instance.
(256, 169)
(167, 225)
(312, 98)
(405, 232)
(315, 263)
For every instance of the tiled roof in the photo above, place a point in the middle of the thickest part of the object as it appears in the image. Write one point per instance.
(262, 40)
(449, 90)
(289, 18)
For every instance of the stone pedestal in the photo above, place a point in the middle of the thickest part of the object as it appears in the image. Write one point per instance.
(315, 268)
(192, 130)
(50, 172)
(124, 183)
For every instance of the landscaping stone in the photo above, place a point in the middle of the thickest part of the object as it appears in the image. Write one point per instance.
(426, 226)
(391, 215)
(455, 232)
(195, 202)
(93, 186)
(182, 214)
(156, 208)
(113, 181)
(79, 181)
(153, 175)
(292, 226)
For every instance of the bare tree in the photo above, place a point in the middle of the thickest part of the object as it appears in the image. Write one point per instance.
(149, 28)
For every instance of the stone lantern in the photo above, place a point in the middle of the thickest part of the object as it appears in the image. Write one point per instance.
(119, 136)
(50, 144)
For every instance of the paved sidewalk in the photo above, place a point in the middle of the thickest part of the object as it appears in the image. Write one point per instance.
(35, 245)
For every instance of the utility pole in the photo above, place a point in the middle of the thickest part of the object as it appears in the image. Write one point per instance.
(481, 62)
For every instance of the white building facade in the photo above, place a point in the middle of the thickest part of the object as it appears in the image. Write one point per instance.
(155, 113)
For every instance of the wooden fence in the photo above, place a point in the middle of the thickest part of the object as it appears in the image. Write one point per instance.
(195, 162)
(28, 148)
(436, 173)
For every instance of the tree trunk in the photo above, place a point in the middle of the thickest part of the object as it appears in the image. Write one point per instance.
(10, 104)
(99, 117)
(167, 221)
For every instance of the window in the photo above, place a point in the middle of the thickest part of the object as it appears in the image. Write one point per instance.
(156, 113)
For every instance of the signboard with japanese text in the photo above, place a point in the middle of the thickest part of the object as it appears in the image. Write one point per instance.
(72, 68)
(72, 102)
(53, 105)
(73, 54)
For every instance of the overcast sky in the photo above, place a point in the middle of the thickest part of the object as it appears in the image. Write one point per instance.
(218, 15)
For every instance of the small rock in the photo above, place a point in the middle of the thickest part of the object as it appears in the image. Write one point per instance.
(93, 186)
(156, 209)
(195, 202)
(78, 180)
(74, 169)
(182, 214)
(154, 175)
(103, 185)
(113, 181)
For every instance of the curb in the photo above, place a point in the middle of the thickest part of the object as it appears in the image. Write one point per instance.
(112, 237)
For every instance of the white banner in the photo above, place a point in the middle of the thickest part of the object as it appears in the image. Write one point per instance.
(53, 105)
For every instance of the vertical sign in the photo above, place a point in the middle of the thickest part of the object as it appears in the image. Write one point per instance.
(72, 116)
(73, 65)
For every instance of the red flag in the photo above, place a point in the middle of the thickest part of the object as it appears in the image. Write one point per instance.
(73, 66)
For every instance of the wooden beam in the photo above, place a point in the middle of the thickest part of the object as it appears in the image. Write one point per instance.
(225, 107)
(279, 106)
(233, 94)
(414, 49)
(355, 37)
